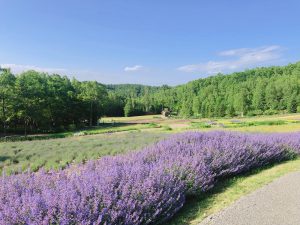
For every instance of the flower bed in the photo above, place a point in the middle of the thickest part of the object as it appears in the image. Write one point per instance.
(145, 187)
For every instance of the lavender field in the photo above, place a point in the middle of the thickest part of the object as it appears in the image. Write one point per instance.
(144, 187)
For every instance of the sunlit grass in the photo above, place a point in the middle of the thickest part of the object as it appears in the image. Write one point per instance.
(286, 123)
(280, 128)
(294, 116)
(129, 119)
(228, 191)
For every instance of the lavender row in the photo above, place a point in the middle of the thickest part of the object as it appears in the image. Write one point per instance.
(146, 187)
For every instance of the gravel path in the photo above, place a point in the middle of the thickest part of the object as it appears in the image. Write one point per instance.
(277, 203)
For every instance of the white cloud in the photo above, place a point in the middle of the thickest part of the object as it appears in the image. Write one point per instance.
(133, 68)
(239, 59)
(16, 68)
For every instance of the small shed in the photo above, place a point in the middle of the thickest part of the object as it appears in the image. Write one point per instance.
(166, 112)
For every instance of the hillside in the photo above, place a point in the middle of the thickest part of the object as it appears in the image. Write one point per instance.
(266, 90)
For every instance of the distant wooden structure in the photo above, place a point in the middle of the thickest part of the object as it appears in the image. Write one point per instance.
(166, 112)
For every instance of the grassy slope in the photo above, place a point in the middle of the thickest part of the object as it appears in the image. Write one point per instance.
(226, 192)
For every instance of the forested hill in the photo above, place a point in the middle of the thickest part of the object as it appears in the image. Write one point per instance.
(137, 90)
(266, 90)
(39, 102)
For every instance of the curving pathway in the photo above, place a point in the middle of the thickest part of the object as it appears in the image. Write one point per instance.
(277, 203)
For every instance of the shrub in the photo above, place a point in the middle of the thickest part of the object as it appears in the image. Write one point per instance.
(153, 125)
(72, 127)
(167, 128)
(146, 187)
(201, 125)
(257, 112)
(271, 122)
(270, 112)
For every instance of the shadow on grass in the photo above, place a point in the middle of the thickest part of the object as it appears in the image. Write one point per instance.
(117, 124)
(113, 127)
(4, 158)
(204, 201)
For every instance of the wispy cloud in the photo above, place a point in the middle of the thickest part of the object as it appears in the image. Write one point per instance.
(17, 68)
(237, 59)
(133, 68)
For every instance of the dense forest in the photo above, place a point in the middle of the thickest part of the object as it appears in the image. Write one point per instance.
(39, 102)
(266, 90)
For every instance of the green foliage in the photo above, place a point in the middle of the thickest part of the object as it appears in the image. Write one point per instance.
(153, 125)
(167, 128)
(198, 125)
(292, 103)
(128, 109)
(257, 123)
(270, 112)
(266, 90)
(257, 112)
(233, 124)
(34, 102)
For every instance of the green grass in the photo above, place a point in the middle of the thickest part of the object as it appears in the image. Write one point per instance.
(129, 119)
(200, 125)
(226, 192)
(119, 128)
(61, 149)
(273, 123)
(290, 127)
(58, 153)
(101, 129)
(239, 124)
(277, 123)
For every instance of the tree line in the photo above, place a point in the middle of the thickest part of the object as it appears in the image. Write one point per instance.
(266, 90)
(39, 102)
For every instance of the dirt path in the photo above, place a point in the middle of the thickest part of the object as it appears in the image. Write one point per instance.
(277, 203)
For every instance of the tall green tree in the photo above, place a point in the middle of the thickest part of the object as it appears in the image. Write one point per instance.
(95, 95)
(258, 100)
(7, 81)
(30, 90)
(128, 109)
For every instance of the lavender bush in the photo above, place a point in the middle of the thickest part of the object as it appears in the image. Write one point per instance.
(146, 187)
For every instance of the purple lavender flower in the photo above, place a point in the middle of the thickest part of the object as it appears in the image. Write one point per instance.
(145, 187)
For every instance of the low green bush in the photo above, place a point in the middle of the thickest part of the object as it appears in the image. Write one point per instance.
(255, 113)
(270, 112)
(167, 128)
(200, 125)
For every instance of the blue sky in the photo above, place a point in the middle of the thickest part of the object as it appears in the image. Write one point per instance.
(150, 42)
